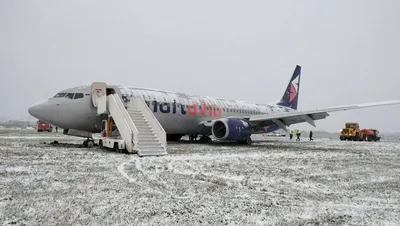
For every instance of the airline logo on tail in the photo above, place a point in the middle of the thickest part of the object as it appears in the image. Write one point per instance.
(290, 97)
(294, 85)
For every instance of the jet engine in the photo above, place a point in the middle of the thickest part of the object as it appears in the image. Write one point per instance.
(231, 129)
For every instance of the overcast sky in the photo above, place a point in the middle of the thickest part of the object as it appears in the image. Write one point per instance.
(245, 50)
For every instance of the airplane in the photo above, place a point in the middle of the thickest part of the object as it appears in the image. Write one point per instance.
(183, 114)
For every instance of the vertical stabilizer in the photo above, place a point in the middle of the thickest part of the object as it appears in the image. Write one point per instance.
(291, 95)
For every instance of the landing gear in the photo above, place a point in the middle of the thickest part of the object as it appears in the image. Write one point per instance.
(193, 137)
(174, 137)
(247, 141)
(205, 139)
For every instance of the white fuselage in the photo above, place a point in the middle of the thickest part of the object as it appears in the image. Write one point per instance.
(178, 113)
(181, 113)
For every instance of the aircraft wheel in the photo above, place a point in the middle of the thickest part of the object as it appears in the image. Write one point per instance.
(205, 139)
(174, 137)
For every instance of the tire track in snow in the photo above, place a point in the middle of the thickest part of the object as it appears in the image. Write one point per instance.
(121, 170)
(138, 166)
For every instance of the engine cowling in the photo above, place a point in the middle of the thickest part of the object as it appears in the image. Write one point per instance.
(231, 129)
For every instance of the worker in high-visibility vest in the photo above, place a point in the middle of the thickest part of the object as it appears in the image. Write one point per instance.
(291, 134)
(298, 133)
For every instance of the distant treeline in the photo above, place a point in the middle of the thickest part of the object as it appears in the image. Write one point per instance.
(17, 123)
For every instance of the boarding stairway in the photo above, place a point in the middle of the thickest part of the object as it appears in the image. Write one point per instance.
(152, 138)
(136, 123)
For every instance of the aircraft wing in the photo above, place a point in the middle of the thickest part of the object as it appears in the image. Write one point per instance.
(284, 119)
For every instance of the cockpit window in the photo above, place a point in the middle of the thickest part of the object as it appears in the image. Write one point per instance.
(60, 95)
(78, 95)
(70, 96)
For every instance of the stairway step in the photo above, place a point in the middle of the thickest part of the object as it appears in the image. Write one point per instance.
(143, 126)
(147, 136)
(150, 152)
(146, 142)
(147, 147)
(136, 116)
(141, 123)
(144, 129)
(150, 147)
(146, 133)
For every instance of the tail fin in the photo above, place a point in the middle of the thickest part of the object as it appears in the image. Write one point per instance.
(291, 95)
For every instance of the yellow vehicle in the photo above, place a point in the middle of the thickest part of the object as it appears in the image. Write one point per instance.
(350, 132)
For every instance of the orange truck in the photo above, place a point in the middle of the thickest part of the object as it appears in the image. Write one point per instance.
(369, 135)
(353, 132)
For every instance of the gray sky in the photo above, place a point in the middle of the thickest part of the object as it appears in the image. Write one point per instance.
(244, 50)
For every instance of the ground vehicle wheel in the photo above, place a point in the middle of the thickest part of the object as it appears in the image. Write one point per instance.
(90, 143)
(116, 148)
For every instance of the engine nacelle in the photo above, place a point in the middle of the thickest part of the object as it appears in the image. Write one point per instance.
(231, 129)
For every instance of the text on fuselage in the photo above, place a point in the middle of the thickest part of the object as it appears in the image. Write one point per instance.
(192, 109)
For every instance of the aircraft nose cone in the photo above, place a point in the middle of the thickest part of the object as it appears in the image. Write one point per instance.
(33, 110)
(37, 110)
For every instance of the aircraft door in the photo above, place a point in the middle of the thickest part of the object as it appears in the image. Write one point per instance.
(99, 97)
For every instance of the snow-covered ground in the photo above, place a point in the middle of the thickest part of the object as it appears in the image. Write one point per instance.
(273, 181)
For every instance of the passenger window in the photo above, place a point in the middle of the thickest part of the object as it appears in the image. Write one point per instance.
(78, 95)
(60, 95)
(70, 96)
